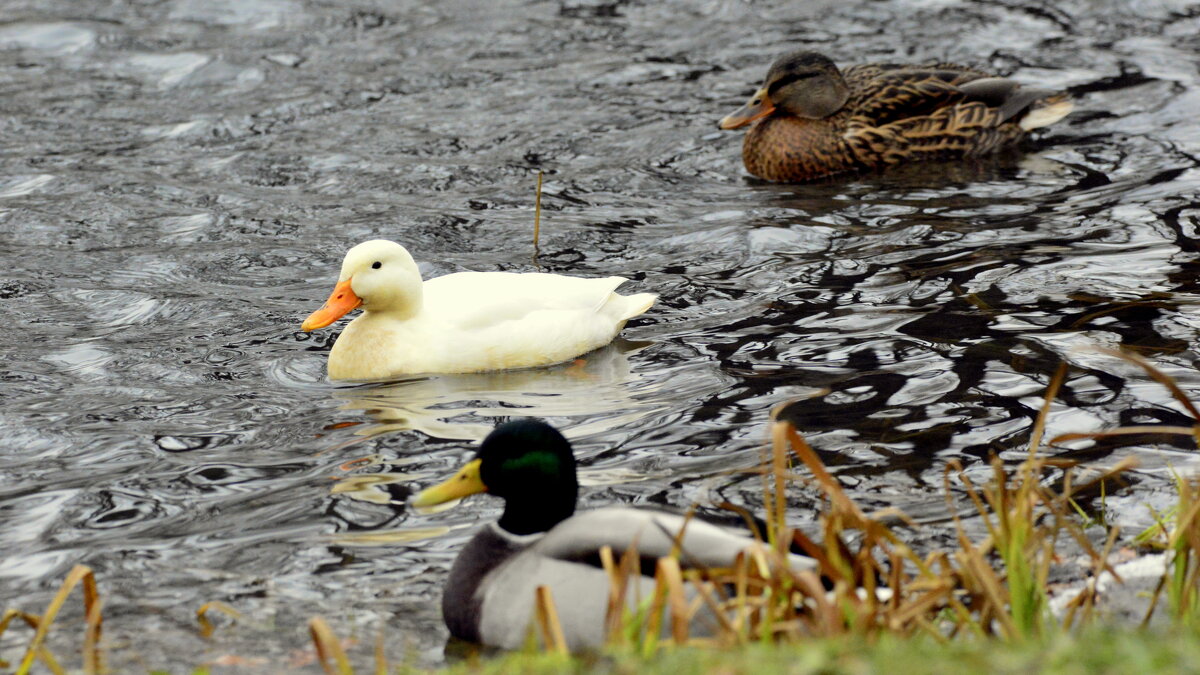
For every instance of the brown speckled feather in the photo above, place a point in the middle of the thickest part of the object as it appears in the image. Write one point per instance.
(894, 113)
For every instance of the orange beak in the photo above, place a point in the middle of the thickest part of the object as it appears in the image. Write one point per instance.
(341, 301)
(758, 107)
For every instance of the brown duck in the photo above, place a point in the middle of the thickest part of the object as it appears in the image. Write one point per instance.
(812, 120)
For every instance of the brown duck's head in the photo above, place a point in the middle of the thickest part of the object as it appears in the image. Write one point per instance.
(802, 83)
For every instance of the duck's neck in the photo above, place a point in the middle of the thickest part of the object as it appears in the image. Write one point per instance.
(530, 513)
(396, 308)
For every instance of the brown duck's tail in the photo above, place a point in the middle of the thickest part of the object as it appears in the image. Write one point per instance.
(1046, 111)
(1030, 108)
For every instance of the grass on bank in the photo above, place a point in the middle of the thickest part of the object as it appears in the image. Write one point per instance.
(871, 588)
(1091, 652)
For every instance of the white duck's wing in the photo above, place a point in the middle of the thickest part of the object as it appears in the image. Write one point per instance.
(653, 533)
(473, 301)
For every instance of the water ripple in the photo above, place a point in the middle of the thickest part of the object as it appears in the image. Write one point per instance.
(183, 177)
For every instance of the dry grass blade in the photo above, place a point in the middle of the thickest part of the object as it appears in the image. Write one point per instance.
(616, 597)
(669, 594)
(841, 501)
(327, 646)
(1087, 597)
(548, 623)
(537, 216)
(1039, 426)
(381, 664)
(91, 640)
(7, 618)
(677, 550)
(50, 662)
(823, 611)
(206, 626)
(1156, 375)
(80, 573)
(1125, 431)
(746, 516)
(915, 609)
(776, 508)
(812, 550)
(704, 590)
(1114, 471)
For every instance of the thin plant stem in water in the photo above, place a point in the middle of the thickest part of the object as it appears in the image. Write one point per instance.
(537, 217)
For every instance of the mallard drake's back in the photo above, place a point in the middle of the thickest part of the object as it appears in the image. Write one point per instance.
(811, 119)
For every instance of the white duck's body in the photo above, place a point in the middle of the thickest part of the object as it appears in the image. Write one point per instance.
(475, 321)
(469, 321)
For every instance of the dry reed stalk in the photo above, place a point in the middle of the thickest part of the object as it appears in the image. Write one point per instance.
(327, 646)
(80, 574)
(1158, 376)
(706, 592)
(206, 625)
(668, 594)
(537, 215)
(5, 619)
(1086, 599)
(381, 664)
(615, 611)
(548, 623)
(681, 615)
(1039, 425)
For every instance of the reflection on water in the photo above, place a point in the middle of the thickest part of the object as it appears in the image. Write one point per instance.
(180, 177)
(600, 386)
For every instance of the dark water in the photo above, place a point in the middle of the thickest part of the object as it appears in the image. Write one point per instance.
(180, 180)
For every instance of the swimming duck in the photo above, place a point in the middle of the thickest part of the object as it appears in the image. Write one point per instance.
(812, 120)
(540, 540)
(464, 322)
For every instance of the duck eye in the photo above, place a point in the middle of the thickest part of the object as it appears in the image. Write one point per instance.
(376, 265)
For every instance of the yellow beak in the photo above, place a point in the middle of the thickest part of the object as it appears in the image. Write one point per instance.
(758, 107)
(341, 301)
(465, 482)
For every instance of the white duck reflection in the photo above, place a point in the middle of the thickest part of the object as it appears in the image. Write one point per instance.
(599, 384)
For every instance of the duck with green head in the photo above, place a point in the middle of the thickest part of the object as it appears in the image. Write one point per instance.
(811, 119)
(541, 541)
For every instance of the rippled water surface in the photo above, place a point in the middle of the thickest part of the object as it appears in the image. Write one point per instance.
(181, 178)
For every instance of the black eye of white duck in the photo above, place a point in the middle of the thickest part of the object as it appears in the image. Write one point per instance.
(376, 265)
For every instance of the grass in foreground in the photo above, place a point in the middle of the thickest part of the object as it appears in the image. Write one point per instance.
(874, 605)
(1093, 652)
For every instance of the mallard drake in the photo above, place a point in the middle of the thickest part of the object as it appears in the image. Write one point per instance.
(465, 322)
(541, 541)
(812, 120)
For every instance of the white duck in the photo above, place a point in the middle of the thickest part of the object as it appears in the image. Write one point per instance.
(464, 322)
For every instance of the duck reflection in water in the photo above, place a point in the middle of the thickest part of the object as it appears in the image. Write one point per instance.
(600, 385)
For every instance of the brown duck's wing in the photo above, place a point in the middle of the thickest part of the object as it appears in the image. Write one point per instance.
(961, 130)
(885, 93)
(898, 97)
